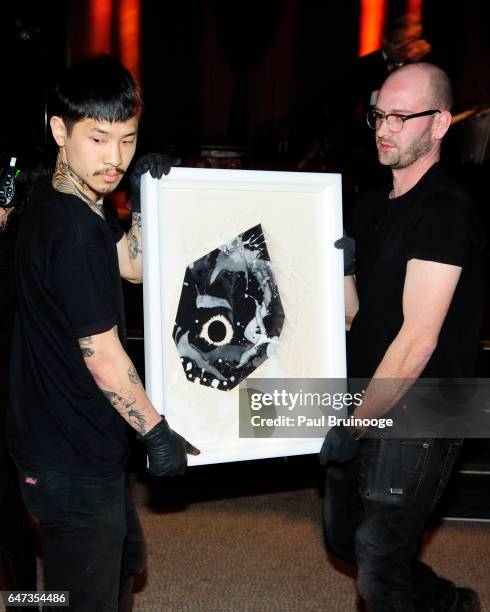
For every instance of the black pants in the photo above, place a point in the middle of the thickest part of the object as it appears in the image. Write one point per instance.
(91, 537)
(375, 510)
(17, 543)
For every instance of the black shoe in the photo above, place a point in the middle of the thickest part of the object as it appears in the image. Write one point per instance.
(468, 601)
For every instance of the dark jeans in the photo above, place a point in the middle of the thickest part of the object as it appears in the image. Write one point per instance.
(375, 510)
(17, 543)
(91, 537)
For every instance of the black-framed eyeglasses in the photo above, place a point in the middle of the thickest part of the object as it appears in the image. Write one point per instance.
(394, 121)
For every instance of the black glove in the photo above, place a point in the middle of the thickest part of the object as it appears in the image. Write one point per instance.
(167, 450)
(157, 164)
(348, 245)
(339, 446)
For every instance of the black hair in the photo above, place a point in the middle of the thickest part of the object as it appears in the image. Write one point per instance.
(100, 88)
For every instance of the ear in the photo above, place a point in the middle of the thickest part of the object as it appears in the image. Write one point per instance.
(58, 130)
(441, 124)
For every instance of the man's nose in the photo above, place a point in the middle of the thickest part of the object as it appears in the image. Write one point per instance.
(113, 156)
(382, 128)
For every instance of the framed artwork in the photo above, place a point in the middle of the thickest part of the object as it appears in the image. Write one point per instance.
(241, 282)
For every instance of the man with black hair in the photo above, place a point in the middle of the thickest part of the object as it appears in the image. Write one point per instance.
(74, 389)
(417, 313)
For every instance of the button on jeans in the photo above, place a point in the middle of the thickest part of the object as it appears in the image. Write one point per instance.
(375, 511)
(91, 538)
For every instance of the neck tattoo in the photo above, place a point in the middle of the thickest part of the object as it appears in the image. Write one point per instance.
(66, 181)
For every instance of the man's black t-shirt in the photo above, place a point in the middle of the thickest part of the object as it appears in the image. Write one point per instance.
(68, 287)
(434, 221)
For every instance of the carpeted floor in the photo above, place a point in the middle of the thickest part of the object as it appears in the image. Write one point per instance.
(264, 551)
(247, 537)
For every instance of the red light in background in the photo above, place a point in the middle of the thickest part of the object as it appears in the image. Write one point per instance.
(414, 7)
(100, 26)
(129, 35)
(372, 25)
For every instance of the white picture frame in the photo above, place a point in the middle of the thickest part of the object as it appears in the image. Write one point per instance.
(189, 213)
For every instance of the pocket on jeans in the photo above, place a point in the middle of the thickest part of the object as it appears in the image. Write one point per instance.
(35, 485)
(29, 480)
(392, 469)
(452, 455)
(414, 455)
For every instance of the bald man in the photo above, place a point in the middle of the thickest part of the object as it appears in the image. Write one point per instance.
(416, 313)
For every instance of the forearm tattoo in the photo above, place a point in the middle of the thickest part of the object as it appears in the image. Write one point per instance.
(127, 409)
(133, 375)
(66, 181)
(134, 249)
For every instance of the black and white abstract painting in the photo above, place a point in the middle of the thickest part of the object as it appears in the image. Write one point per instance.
(230, 315)
(241, 283)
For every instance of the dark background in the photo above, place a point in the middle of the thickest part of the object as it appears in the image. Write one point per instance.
(220, 72)
(247, 75)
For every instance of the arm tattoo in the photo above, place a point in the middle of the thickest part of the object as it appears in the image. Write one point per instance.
(84, 345)
(126, 408)
(85, 342)
(137, 220)
(133, 375)
(134, 249)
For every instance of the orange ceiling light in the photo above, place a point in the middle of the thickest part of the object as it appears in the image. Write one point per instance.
(372, 24)
(100, 26)
(129, 35)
